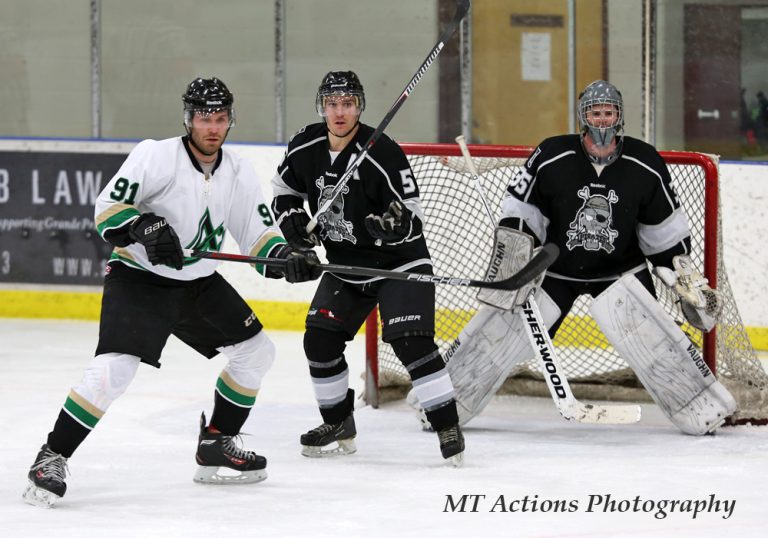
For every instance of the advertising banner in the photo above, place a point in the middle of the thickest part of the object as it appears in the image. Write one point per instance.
(47, 234)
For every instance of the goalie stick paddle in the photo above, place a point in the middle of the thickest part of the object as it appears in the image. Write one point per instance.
(569, 407)
(462, 7)
(545, 257)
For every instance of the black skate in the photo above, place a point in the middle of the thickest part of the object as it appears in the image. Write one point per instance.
(452, 445)
(46, 479)
(314, 442)
(217, 452)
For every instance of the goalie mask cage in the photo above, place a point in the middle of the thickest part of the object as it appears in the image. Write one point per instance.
(460, 236)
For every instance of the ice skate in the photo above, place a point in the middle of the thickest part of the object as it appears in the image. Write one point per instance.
(221, 461)
(46, 479)
(316, 443)
(452, 445)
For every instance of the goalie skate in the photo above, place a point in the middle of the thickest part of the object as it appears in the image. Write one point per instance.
(330, 440)
(46, 479)
(221, 461)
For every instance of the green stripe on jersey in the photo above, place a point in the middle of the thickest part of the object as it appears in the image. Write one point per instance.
(265, 250)
(117, 220)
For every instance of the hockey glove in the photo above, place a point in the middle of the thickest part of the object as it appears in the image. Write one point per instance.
(301, 265)
(701, 305)
(293, 224)
(393, 226)
(159, 240)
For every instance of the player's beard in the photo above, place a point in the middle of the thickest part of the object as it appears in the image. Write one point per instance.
(206, 148)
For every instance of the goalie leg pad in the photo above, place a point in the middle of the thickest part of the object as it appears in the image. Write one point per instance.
(485, 353)
(670, 367)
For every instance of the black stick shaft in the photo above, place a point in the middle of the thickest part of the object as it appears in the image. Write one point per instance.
(543, 259)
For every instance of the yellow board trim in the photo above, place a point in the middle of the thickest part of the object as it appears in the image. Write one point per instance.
(275, 315)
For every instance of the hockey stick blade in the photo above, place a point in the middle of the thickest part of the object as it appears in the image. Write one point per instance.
(543, 259)
(462, 8)
(603, 414)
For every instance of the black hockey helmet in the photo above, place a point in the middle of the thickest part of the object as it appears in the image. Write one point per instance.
(598, 93)
(206, 96)
(340, 83)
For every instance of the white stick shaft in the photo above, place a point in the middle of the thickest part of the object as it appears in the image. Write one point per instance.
(475, 177)
(568, 406)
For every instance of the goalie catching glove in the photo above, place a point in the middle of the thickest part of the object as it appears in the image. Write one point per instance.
(159, 240)
(391, 227)
(512, 249)
(701, 305)
(301, 265)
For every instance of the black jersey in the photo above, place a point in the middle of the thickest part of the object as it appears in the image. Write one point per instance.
(604, 224)
(385, 175)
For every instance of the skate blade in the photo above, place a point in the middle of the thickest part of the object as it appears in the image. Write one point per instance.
(344, 447)
(39, 497)
(225, 475)
(456, 460)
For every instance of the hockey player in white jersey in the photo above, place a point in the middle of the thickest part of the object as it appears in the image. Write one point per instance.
(607, 201)
(184, 191)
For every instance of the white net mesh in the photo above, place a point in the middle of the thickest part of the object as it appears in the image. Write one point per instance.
(460, 235)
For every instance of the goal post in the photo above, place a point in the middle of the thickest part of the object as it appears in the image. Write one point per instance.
(460, 238)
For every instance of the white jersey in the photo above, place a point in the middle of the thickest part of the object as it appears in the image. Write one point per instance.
(164, 178)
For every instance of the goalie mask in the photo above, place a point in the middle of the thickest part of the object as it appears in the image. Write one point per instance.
(206, 96)
(342, 84)
(601, 117)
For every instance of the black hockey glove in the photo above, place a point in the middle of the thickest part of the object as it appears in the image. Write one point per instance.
(301, 266)
(159, 240)
(294, 228)
(393, 226)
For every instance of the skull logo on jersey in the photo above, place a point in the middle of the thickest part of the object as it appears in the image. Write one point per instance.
(591, 229)
(332, 224)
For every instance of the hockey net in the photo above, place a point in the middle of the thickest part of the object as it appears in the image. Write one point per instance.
(460, 236)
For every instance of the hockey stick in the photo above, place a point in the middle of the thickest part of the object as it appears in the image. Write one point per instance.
(546, 256)
(462, 7)
(569, 407)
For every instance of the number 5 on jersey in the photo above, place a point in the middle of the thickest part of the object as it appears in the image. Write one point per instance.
(409, 185)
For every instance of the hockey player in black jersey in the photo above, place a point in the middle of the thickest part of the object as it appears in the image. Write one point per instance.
(607, 201)
(376, 221)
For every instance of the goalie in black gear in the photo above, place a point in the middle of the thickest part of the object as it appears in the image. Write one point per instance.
(376, 222)
(161, 199)
(607, 201)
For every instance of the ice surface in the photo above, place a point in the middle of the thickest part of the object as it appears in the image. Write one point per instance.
(133, 476)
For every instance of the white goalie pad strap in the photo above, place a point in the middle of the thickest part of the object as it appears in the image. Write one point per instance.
(485, 353)
(512, 249)
(670, 367)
